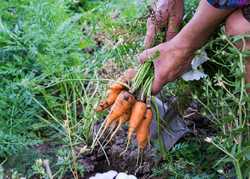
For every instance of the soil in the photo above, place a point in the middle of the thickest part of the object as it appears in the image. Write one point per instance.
(96, 162)
(109, 70)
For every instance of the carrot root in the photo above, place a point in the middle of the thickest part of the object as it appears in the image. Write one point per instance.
(122, 119)
(97, 134)
(115, 89)
(123, 104)
(137, 115)
(113, 134)
(112, 95)
(113, 128)
(143, 131)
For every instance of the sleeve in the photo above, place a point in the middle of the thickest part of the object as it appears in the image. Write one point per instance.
(228, 4)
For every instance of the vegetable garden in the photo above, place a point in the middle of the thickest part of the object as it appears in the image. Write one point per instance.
(60, 63)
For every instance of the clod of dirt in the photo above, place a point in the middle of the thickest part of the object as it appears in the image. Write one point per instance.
(198, 124)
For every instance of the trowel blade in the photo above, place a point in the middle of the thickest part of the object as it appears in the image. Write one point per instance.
(172, 125)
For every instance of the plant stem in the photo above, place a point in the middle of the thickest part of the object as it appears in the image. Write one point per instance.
(237, 169)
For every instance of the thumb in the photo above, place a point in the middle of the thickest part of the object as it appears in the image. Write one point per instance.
(150, 34)
(146, 54)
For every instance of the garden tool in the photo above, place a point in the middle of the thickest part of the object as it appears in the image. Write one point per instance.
(168, 125)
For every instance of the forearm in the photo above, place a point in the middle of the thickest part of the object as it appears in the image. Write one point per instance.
(200, 27)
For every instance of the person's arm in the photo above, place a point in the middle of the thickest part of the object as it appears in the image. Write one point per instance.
(203, 23)
(176, 55)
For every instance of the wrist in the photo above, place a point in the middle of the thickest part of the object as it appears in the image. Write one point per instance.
(185, 44)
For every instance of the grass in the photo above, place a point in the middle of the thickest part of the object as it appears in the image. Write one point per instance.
(50, 83)
(40, 60)
(56, 58)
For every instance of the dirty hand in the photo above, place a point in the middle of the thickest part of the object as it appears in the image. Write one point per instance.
(172, 62)
(166, 13)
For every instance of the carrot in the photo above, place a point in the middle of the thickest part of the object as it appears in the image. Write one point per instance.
(142, 132)
(115, 89)
(118, 86)
(123, 103)
(137, 115)
(121, 120)
(111, 97)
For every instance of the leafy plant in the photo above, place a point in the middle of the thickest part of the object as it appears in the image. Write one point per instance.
(227, 103)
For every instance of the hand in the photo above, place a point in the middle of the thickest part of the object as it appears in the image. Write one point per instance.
(166, 13)
(172, 63)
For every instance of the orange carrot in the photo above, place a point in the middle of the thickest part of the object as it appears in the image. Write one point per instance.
(142, 132)
(122, 119)
(123, 103)
(111, 97)
(137, 115)
(115, 89)
(118, 86)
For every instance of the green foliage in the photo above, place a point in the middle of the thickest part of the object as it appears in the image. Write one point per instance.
(226, 102)
(189, 159)
(12, 144)
(39, 48)
(38, 168)
(49, 83)
(34, 50)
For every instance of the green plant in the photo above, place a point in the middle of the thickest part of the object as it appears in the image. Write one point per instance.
(49, 83)
(38, 168)
(41, 65)
(227, 103)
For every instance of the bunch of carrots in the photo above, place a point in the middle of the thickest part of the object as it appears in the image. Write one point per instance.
(128, 99)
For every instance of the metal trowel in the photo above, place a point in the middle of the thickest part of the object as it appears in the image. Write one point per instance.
(168, 125)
